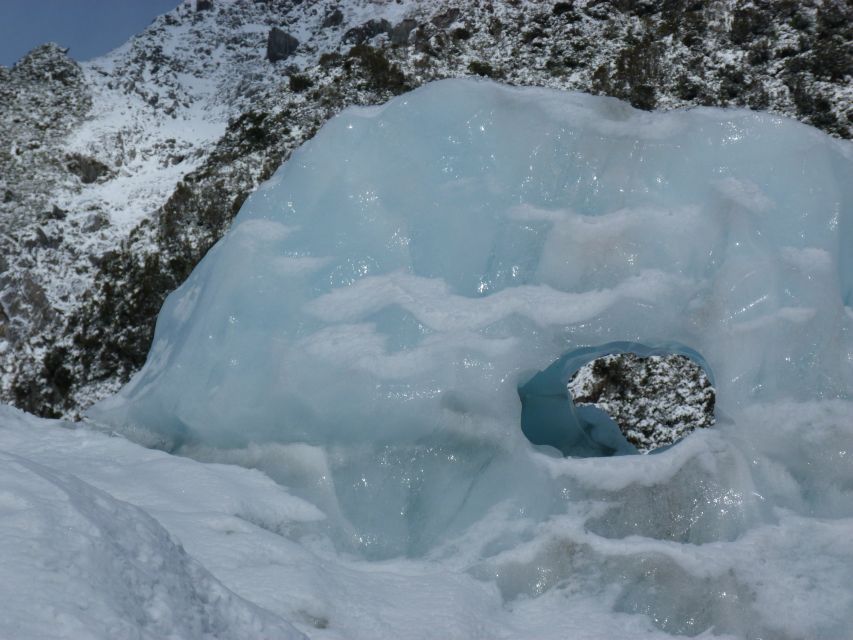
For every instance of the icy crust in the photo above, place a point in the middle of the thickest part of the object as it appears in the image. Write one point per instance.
(655, 400)
(381, 298)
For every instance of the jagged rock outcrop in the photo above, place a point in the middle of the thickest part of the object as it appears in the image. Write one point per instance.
(87, 169)
(42, 99)
(188, 117)
(366, 31)
(333, 18)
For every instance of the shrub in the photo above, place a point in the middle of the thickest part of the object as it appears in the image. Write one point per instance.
(299, 83)
(481, 69)
(381, 73)
(561, 7)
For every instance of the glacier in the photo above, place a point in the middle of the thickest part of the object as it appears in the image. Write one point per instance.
(361, 333)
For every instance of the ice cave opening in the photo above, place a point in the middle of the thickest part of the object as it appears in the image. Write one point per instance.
(682, 389)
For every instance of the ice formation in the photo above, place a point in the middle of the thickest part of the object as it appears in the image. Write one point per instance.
(361, 332)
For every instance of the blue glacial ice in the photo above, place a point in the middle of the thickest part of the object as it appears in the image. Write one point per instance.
(371, 314)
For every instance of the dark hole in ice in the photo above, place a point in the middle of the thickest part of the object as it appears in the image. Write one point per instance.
(618, 398)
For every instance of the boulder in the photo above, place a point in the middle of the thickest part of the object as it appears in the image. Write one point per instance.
(446, 18)
(86, 168)
(280, 45)
(96, 221)
(56, 213)
(399, 34)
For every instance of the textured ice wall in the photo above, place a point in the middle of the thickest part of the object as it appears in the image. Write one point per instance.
(378, 301)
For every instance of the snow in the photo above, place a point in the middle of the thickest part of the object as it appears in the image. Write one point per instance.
(79, 563)
(745, 529)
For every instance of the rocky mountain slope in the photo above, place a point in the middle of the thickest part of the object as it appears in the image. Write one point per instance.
(117, 175)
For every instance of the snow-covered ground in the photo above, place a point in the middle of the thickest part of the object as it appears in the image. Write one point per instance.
(101, 538)
(79, 561)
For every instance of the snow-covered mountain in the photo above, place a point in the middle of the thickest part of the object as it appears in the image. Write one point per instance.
(332, 436)
(117, 175)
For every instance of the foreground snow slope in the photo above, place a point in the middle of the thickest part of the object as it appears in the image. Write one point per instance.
(744, 531)
(77, 560)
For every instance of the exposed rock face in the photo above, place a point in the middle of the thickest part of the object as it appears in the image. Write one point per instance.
(92, 298)
(655, 400)
(446, 18)
(333, 19)
(366, 31)
(42, 99)
(280, 45)
(399, 33)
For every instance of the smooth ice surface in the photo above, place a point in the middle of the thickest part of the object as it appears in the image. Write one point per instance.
(360, 334)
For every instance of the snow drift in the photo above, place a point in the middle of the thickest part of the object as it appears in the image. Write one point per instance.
(377, 303)
(78, 563)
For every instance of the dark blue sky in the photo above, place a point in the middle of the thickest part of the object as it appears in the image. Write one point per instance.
(88, 27)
